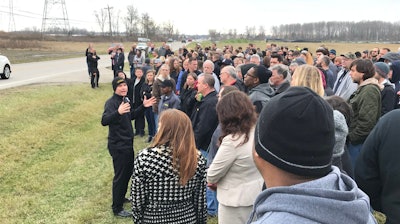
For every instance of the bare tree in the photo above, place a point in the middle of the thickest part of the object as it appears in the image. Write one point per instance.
(101, 18)
(131, 21)
(115, 22)
(213, 34)
(148, 26)
(168, 29)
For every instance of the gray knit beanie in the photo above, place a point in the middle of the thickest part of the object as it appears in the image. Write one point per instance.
(341, 131)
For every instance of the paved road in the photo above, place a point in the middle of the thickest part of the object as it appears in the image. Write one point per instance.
(56, 71)
(60, 71)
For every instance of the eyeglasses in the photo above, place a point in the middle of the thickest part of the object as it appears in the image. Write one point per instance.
(247, 74)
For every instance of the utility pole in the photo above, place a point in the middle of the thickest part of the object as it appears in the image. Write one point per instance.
(11, 23)
(109, 18)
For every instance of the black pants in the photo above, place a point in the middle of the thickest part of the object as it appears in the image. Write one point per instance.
(123, 168)
(94, 79)
(139, 123)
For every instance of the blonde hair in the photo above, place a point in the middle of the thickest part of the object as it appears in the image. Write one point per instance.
(308, 76)
(308, 58)
(176, 132)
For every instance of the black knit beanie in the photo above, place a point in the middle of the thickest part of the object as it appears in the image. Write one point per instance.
(295, 132)
(116, 81)
(262, 73)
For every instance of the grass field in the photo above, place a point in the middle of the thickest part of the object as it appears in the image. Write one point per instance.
(54, 162)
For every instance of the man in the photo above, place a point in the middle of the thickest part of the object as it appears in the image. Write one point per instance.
(205, 120)
(255, 59)
(390, 57)
(374, 54)
(276, 59)
(382, 52)
(322, 51)
(117, 116)
(204, 117)
(279, 78)
(256, 81)
(208, 68)
(118, 61)
(377, 169)
(388, 95)
(162, 50)
(193, 67)
(344, 85)
(332, 55)
(366, 105)
(323, 63)
(302, 186)
(228, 77)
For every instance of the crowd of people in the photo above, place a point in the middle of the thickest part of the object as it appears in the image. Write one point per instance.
(248, 135)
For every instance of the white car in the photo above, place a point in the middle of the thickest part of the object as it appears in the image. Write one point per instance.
(5, 67)
(141, 46)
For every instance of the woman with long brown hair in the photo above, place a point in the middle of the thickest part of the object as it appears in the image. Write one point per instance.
(168, 182)
(233, 170)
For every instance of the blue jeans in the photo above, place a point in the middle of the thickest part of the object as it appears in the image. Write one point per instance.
(132, 72)
(151, 125)
(211, 196)
(155, 122)
(354, 151)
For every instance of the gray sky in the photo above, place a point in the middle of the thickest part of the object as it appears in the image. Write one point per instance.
(197, 17)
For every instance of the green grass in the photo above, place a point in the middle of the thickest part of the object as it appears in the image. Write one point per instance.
(54, 162)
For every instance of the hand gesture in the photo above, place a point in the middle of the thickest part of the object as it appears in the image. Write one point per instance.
(124, 108)
(149, 102)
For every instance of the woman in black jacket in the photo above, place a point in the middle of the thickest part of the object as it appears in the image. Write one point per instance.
(188, 94)
(146, 90)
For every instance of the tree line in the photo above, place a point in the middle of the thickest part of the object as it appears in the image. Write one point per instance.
(339, 31)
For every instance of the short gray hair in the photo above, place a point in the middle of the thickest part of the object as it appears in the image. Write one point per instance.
(281, 69)
(231, 71)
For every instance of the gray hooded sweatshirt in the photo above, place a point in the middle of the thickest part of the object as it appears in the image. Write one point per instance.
(334, 198)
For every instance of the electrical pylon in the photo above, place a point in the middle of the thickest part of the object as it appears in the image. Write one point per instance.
(55, 16)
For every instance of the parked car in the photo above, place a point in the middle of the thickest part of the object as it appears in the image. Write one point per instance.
(5, 67)
(183, 41)
(170, 40)
(141, 46)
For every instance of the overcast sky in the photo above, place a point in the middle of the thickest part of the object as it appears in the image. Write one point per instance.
(197, 17)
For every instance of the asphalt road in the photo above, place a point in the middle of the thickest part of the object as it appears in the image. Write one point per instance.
(60, 71)
(55, 71)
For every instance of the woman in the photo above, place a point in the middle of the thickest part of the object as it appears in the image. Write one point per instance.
(188, 94)
(163, 74)
(168, 182)
(308, 76)
(233, 170)
(174, 67)
(138, 60)
(146, 90)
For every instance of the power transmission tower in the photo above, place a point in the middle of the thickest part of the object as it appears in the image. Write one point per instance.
(55, 16)
(11, 21)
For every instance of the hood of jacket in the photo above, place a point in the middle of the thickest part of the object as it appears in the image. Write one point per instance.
(373, 81)
(334, 198)
(263, 89)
